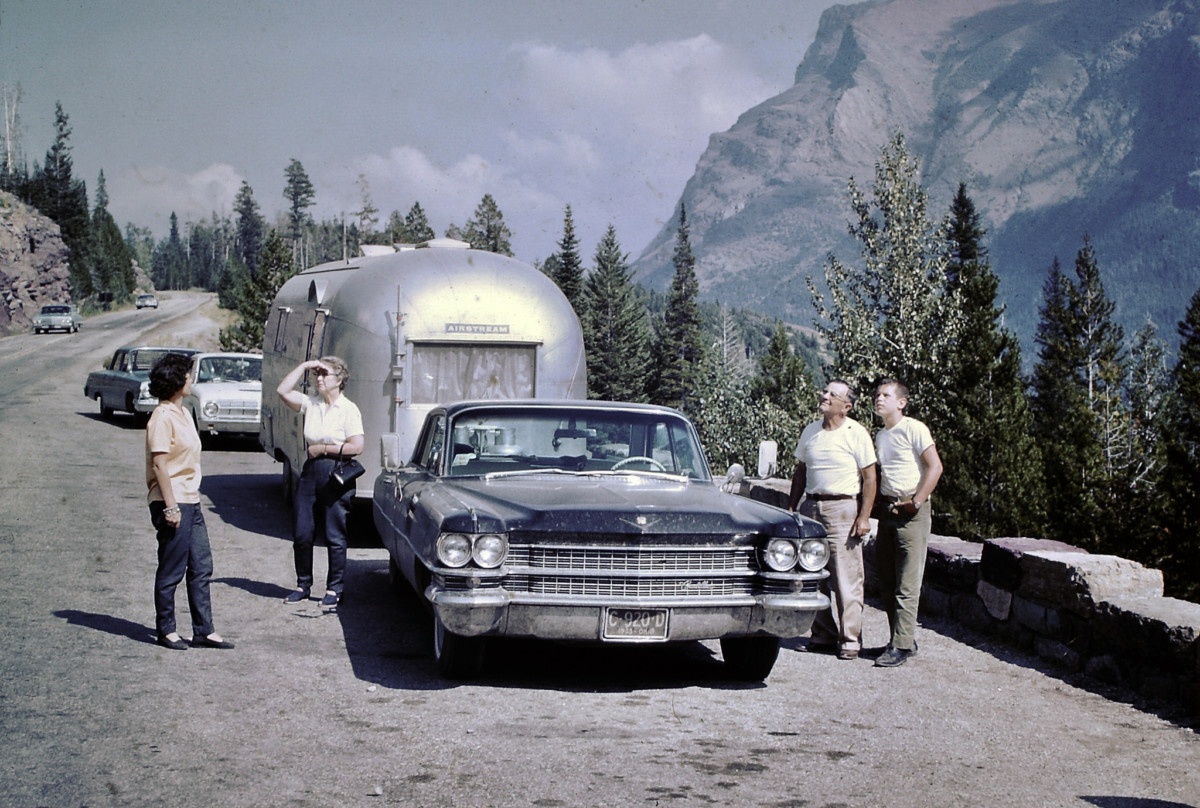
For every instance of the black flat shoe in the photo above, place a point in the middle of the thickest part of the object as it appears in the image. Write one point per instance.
(174, 645)
(205, 642)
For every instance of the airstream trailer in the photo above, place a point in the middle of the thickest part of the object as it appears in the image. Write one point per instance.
(417, 327)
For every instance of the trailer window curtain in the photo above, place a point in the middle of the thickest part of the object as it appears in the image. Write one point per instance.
(443, 373)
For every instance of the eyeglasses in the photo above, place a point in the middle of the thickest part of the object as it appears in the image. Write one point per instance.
(832, 394)
(321, 372)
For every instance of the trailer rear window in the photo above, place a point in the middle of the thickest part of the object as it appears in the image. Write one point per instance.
(457, 372)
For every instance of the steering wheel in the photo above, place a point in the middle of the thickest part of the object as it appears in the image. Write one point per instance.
(638, 458)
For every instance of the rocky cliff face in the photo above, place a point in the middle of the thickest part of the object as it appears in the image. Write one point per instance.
(33, 264)
(1064, 117)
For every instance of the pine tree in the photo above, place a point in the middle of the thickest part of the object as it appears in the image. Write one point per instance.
(208, 252)
(1079, 417)
(248, 240)
(416, 226)
(616, 331)
(59, 196)
(895, 315)
(300, 194)
(782, 378)
(253, 299)
(170, 269)
(111, 261)
(487, 230)
(568, 270)
(1178, 550)
(993, 484)
(140, 243)
(680, 348)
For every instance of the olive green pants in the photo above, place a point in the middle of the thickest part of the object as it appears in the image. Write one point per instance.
(901, 544)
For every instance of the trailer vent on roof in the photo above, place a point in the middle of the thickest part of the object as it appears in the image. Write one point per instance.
(444, 244)
(376, 249)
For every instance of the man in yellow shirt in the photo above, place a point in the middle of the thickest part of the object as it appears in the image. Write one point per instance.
(909, 470)
(835, 473)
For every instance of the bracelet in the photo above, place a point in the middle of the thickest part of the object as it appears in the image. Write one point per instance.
(171, 511)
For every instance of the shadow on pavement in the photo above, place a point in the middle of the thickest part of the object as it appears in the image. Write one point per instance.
(1133, 802)
(389, 638)
(120, 420)
(109, 624)
(249, 502)
(262, 589)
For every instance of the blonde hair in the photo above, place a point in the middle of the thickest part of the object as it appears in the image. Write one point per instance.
(339, 368)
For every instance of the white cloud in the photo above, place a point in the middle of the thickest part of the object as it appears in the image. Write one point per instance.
(615, 134)
(447, 193)
(149, 195)
(656, 96)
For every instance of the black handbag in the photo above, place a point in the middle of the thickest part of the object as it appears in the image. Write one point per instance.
(345, 473)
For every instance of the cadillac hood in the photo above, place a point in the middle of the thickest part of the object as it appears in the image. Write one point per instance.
(632, 504)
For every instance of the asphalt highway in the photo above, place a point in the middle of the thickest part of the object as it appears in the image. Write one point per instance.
(346, 708)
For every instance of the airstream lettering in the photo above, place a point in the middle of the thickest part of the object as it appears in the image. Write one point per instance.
(418, 328)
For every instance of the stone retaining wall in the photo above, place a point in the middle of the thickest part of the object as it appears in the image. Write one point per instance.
(1101, 615)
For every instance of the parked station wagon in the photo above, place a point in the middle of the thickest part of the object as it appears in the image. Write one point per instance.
(591, 521)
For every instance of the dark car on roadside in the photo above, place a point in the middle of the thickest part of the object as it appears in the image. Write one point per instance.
(123, 384)
(591, 521)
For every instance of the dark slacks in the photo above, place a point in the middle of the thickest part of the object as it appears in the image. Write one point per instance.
(316, 511)
(182, 551)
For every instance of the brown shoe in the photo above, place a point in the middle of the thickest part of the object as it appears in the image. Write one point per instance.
(848, 653)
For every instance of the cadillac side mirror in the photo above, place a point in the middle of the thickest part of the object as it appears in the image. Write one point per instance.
(390, 444)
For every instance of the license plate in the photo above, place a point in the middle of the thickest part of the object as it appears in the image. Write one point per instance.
(635, 624)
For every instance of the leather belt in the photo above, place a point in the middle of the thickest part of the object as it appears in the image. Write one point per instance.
(829, 497)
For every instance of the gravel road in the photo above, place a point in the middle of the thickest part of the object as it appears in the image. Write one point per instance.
(345, 708)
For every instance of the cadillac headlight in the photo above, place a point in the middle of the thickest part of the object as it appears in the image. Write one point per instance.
(489, 550)
(453, 549)
(780, 554)
(814, 554)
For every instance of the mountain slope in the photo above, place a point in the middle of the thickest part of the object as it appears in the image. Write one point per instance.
(1064, 117)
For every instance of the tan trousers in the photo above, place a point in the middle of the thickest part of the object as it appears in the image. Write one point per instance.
(845, 582)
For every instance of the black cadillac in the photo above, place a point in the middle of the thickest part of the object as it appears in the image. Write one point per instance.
(591, 521)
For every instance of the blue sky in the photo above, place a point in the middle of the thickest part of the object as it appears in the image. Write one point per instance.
(605, 105)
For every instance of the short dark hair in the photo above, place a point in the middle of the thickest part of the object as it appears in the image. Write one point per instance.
(901, 390)
(169, 375)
